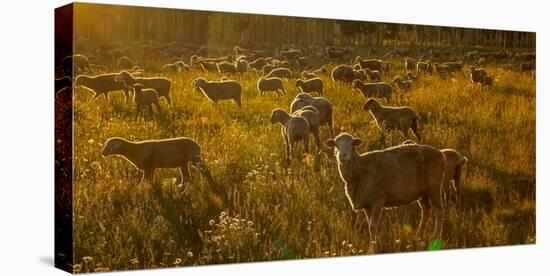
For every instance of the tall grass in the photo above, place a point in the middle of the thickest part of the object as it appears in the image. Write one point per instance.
(263, 209)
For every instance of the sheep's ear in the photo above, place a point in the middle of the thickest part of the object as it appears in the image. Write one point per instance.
(330, 143)
(358, 142)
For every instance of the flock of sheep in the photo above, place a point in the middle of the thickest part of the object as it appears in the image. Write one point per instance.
(373, 180)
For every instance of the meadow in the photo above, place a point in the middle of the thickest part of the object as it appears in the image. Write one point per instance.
(262, 209)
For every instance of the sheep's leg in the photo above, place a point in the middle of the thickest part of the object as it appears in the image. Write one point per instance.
(238, 101)
(425, 212)
(185, 176)
(157, 104)
(288, 150)
(148, 175)
(376, 213)
(96, 95)
(150, 109)
(317, 139)
(126, 96)
(168, 99)
(306, 143)
(439, 216)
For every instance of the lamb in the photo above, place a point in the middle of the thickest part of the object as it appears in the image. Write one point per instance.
(125, 63)
(372, 64)
(161, 85)
(63, 82)
(389, 178)
(311, 114)
(394, 118)
(324, 106)
(401, 83)
(80, 64)
(424, 67)
(102, 85)
(294, 129)
(384, 67)
(311, 85)
(226, 67)
(149, 155)
(220, 90)
(271, 84)
(479, 75)
(207, 66)
(280, 73)
(145, 98)
(373, 90)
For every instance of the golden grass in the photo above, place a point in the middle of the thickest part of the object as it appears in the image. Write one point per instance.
(262, 209)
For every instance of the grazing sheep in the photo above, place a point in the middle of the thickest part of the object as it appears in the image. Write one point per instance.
(161, 85)
(324, 106)
(241, 65)
(373, 90)
(401, 83)
(343, 74)
(294, 129)
(271, 84)
(442, 70)
(145, 98)
(149, 155)
(258, 64)
(479, 75)
(226, 67)
(125, 63)
(102, 85)
(63, 82)
(307, 75)
(374, 75)
(389, 178)
(410, 64)
(280, 73)
(80, 64)
(311, 85)
(394, 118)
(424, 67)
(220, 90)
(311, 114)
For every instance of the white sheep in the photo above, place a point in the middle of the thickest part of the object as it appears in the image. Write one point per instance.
(265, 85)
(390, 178)
(282, 73)
(149, 155)
(161, 85)
(373, 90)
(102, 85)
(145, 98)
(325, 107)
(220, 90)
(311, 114)
(294, 129)
(311, 85)
(394, 118)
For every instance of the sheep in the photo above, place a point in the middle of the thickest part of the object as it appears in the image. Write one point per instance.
(384, 67)
(424, 67)
(267, 69)
(479, 75)
(391, 177)
(125, 63)
(453, 171)
(343, 73)
(226, 67)
(193, 61)
(293, 129)
(311, 114)
(401, 83)
(410, 76)
(325, 107)
(220, 90)
(280, 73)
(161, 85)
(372, 64)
(241, 66)
(63, 82)
(307, 75)
(207, 66)
(410, 64)
(270, 84)
(170, 67)
(145, 98)
(80, 64)
(374, 75)
(394, 118)
(102, 85)
(258, 64)
(291, 54)
(149, 155)
(371, 90)
(311, 85)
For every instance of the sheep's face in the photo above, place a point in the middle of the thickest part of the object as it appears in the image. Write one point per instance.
(370, 104)
(303, 96)
(197, 83)
(112, 146)
(344, 146)
(123, 76)
(275, 116)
